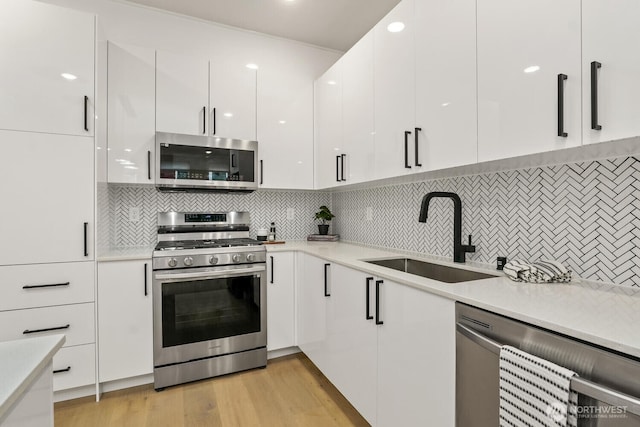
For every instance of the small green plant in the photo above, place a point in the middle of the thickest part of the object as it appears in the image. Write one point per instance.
(324, 215)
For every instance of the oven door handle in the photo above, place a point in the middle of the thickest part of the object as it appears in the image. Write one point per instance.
(210, 274)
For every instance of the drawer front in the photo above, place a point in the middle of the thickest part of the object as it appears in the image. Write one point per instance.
(74, 367)
(35, 322)
(42, 285)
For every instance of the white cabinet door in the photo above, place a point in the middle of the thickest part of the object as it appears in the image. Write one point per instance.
(48, 184)
(47, 68)
(394, 92)
(314, 310)
(416, 358)
(446, 109)
(328, 128)
(357, 111)
(610, 36)
(280, 300)
(522, 48)
(353, 339)
(125, 320)
(233, 100)
(131, 114)
(182, 94)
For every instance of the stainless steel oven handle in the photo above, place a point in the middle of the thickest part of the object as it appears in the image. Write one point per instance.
(211, 274)
(579, 385)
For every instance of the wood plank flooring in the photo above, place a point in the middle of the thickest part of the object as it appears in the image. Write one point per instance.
(291, 391)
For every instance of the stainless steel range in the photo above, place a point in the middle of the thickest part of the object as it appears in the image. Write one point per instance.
(209, 297)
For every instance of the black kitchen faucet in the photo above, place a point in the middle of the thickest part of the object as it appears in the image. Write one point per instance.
(459, 250)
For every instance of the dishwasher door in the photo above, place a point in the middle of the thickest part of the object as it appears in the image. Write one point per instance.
(608, 385)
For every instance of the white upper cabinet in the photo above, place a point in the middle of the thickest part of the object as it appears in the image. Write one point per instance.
(47, 72)
(394, 91)
(610, 37)
(131, 114)
(182, 94)
(524, 48)
(446, 109)
(357, 111)
(233, 100)
(330, 153)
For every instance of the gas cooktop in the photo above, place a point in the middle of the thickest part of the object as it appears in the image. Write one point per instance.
(205, 244)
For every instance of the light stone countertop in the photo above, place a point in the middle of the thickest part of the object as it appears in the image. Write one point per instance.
(600, 313)
(125, 253)
(21, 362)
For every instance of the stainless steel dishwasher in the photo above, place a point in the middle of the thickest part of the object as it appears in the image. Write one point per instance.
(608, 385)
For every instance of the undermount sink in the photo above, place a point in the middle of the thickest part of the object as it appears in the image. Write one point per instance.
(437, 272)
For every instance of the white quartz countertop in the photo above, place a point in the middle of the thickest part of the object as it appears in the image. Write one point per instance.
(604, 314)
(21, 362)
(129, 253)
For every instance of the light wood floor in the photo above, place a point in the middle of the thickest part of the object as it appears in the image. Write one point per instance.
(291, 391)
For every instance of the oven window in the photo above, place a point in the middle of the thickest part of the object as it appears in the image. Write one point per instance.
(203, 310)
(206, 163)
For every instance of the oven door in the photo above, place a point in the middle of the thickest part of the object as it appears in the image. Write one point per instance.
(206, 312)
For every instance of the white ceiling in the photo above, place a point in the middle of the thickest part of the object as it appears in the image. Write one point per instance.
(335, 24)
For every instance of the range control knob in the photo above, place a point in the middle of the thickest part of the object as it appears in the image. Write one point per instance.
(188, 261)
(213, 260)
(236, 258)
(172, 262)
(251, 257)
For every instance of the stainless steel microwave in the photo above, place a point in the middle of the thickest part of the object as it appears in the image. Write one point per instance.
(205, 163)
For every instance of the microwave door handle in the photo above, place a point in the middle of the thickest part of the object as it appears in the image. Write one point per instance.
(578, 384)
(217, 274)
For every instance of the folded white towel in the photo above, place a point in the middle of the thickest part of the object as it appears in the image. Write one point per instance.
(541, 271)
(535, 392)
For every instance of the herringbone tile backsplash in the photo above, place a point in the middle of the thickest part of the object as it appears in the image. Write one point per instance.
(586, 215)
(264, 206)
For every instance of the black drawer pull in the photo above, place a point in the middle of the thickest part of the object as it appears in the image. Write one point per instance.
(86, 236)
(67, 369)
(52, 285)
(271, 269)
(368, 316)
(595, 66)
(35, 331)
(86, 113)
(406, 149)
(326, 291)
(378, 321)
(149, 165)
(146, 292)
(417, 159)
(561, 80)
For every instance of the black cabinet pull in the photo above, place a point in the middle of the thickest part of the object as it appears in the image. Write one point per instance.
(561, 79)
(86, 113)
(35, 331)
(214, 121)
(406, 149)
(52, 285)
(86, 242)
(417, 159)
(67, 369)
(594, 95)
(338, 169)
(233, 161)
(369, 316)
(145, 280)
(342, 157)
(326, 292)
(261, 172)
(148, 164)
(204, 120)
(378, 321)
(272, 269)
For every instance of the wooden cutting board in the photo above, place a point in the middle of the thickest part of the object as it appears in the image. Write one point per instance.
(273, 242)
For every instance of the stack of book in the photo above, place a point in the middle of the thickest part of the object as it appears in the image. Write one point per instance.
(323, 237)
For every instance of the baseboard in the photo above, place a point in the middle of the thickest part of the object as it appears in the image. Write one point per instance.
(282, 352)
(106, 387)
(74, 393)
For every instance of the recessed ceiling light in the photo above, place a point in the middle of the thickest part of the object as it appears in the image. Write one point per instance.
(228, 114)
(395, 27)
(299, 162)
(331, 82)
(282, 122)
(69, 76)
(532, 69)
(446, 104)
(128, 150)
(252, 66)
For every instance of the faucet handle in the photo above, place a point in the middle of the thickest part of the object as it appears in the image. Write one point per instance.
(469, 239)
(469, 247)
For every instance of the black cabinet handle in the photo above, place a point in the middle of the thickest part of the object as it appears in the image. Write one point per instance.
(342, 157)
(594, 95)
(148, 164)
(261, 172)
(417, 159)
(369, 316)
(52, 285)
(67, 369)
(272, 270)
(86, 113)
(406, 149)
(561, 80)
(338, 169)
(35, 331)
(204, 120)
(233, 161)
(86, 242)
(378, 321)
(326, 292)
(145, 280)
(214, 121)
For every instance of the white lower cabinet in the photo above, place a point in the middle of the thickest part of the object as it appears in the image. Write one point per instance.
(125, 323)
(74, 367)
(280, 300)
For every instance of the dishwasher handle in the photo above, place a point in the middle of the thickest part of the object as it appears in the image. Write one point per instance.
(578, 384)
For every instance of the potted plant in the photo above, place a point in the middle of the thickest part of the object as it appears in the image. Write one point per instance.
(324, 215)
